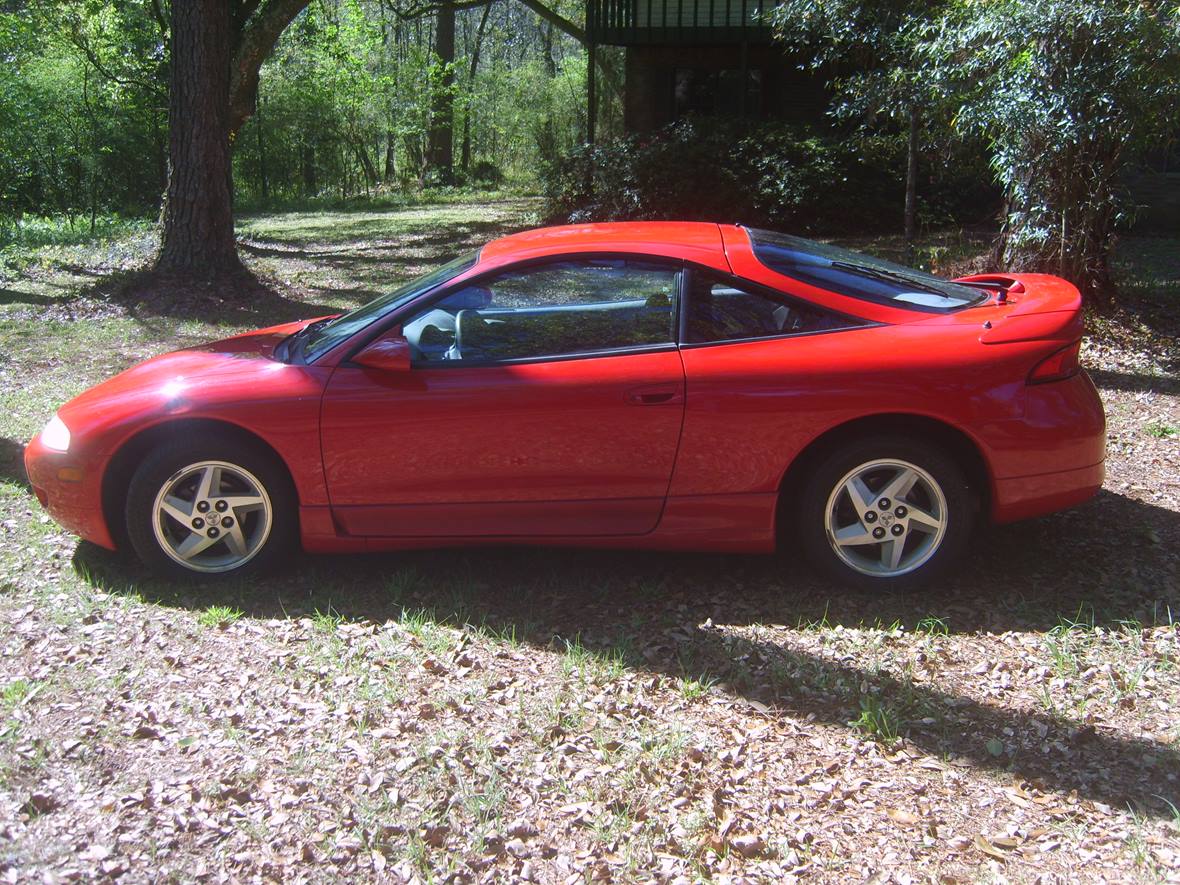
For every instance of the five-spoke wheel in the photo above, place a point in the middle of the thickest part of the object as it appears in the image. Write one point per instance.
(212, 516)
(887, 513)
(210, 506)
(886, 517)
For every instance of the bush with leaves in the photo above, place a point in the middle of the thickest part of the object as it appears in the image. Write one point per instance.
(1068, 94)
(787, 176)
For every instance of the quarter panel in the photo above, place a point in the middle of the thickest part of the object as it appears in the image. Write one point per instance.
(752, 407)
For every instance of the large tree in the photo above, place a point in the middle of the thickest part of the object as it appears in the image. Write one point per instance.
(217, 50)
(218, 47)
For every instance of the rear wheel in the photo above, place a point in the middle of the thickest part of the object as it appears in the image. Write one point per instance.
(210, 507)
(886, 514)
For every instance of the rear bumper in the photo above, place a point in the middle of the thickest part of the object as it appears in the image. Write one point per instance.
(69, 490)
(1054, 456)
(1029, 496)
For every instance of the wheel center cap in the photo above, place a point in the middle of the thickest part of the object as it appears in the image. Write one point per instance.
(886, 519)
(213, 518)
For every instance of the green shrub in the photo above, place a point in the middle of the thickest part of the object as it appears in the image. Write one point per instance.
(776, 174)
(486, 174)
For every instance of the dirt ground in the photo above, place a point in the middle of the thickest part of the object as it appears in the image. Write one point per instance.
(571, 716)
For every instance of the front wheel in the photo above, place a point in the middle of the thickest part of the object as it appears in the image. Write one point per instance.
(886, 514)
(208, 507)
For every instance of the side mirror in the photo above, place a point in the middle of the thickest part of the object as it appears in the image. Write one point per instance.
(388, 354)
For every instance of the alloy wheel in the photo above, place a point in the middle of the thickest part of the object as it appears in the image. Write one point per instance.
(212, 516)
(886, 518)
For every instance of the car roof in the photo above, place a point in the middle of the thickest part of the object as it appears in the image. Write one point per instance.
(691, 240)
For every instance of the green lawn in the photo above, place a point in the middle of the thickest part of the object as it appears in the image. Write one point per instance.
(564, 714)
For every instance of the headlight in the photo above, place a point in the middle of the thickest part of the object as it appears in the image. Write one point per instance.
(56, 435)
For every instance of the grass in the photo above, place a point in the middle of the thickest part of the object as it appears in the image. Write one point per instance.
(384, 201)
(933, 626)
(14, 693)
(33, 233)
(219, 616)
(1161, 430)
(693, 688)
(327, 621)
(877, 720)
(591, 666)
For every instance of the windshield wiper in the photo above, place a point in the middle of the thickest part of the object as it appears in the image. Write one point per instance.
(881, 273)
(291, 347)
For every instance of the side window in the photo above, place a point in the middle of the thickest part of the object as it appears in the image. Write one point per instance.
(553, 309)
(718, 311)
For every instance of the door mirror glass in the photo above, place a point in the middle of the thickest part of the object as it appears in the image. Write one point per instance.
(388, 354)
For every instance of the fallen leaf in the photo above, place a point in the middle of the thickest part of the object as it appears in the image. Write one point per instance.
(903, 817)
(988, 848)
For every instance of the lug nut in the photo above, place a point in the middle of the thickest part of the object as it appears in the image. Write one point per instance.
(897, 529)
(213, 533)
(202, 506)
(878, 533)
(228, 522)
(221, 506)
(198, 523)
(870, 516)
(883, 503)
(900, 512)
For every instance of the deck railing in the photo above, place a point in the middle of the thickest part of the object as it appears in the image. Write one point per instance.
(638, 22)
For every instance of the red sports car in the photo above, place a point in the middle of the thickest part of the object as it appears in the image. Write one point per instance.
(676, 386)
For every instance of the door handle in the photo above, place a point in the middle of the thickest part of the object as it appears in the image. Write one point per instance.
(653, 396)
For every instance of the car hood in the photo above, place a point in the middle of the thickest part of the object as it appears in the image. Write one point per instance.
(238, 369)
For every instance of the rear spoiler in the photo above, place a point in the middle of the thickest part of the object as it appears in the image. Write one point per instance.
(1029, 307)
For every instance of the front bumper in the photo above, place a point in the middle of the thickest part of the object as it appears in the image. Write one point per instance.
(69, 490)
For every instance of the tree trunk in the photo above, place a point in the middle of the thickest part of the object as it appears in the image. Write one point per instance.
(308, 163)
(390, 156)
(441, 149)
(262, 177)
(465, 152)
(198, 238)
(911, 182)
(367, 167)
(415, 161)
(547, 49)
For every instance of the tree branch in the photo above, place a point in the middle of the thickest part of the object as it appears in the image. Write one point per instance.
(558, 21)
(80, 42)
(416, 12)
(253, 45)
(158, 13)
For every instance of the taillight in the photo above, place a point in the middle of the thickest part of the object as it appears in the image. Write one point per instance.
(1057, 366)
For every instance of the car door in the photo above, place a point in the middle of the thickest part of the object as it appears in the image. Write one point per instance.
(544, 401)
(766, 373)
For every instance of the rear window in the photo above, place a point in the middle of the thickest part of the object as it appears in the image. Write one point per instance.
(859, 276)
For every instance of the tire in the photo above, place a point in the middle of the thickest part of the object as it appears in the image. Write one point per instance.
(851, 538)
(211, 508)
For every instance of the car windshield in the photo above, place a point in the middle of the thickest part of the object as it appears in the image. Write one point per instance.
(322, 338)
(859, 276)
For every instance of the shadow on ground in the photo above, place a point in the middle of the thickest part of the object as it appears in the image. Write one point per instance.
(14, 296)
(1135, 382)
(239, 299)
(12, 462)
(1109, 563)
